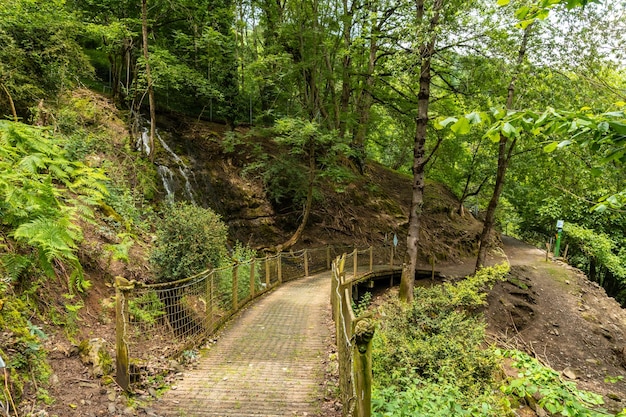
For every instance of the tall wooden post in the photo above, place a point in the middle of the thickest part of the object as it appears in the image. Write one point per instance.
(328, 257)
(306, 263)
(122, 374)
(371, 258)
(362, 367)
(209, 296)
(252, 286)
(356, 263)
(280, 268)
(267, 272)
(235, 286)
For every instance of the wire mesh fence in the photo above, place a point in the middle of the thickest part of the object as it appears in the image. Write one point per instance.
(158, 322)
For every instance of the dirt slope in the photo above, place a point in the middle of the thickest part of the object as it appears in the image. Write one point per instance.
(553, 311)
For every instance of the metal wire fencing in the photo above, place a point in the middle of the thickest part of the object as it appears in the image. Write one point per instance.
(158, 322)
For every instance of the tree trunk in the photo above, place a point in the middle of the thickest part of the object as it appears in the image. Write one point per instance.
(11, 103)
(144, 32)
(307, 206)
(504, 157)
(419, 155)
(365, 100)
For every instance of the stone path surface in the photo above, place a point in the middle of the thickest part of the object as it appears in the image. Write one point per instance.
(268, 362)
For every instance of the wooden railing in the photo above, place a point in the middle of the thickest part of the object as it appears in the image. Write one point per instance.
(354, 334)
(158, 322)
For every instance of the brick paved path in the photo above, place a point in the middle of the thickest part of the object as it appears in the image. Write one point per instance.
(268, 362)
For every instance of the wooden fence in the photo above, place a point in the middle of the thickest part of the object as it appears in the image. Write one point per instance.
(354, 334)
(158, 322)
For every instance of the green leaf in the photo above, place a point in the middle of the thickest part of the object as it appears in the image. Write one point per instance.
(525, 23)
(493, 134)
(618, 127)
(474, 118)
(603, 127)
(441, 123)
(503, 2)
(522, 12)
(551, 147)
(461, 127)
(508, 130)
(564, 144)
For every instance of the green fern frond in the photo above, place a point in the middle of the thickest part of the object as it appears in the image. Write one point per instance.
(55, 238)
(77, 279)
(13, 264)
(32, 163)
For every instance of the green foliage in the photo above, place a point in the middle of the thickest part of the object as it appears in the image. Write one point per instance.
(21, 346)
(556, 396)
(146, 308)
(287, 177)
(42, 194)
(120, 251)
(189, 239)
(599, 246)
(363, 305)
(39, 55)
(436, 341)
(433, 398)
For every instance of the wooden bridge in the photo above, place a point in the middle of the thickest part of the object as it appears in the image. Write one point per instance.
(271, 359)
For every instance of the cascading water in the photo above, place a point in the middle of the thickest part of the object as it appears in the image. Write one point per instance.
(165, 171)
(167, 176)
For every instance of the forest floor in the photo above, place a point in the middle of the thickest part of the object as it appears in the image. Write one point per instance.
(546, 308)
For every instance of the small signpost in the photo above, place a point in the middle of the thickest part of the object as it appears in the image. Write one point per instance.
(559, 232)
(393, 249)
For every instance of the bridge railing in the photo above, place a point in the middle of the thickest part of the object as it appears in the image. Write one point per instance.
(354, 334)
(156, 323)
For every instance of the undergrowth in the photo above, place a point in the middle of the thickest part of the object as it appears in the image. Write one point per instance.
(430, 359)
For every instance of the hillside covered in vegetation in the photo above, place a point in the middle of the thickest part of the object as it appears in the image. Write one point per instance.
(151, 140)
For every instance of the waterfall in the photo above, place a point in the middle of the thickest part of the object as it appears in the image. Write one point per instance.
(143, 141)
(172, 172)
(167, 176)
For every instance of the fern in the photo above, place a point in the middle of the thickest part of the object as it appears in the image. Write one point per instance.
(12, 265)
(41, 193)
(56, 238)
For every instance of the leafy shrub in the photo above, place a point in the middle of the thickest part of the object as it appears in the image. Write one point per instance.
(436, 342)
(189, 239)
(432, 399)
(599, 246)
(555, 395)
(21, 345)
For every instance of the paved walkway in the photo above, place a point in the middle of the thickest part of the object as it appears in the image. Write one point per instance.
(268, 362)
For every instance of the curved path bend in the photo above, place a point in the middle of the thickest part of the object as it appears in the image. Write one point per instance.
(267, 362)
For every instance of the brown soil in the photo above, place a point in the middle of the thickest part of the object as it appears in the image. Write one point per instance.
(553, 312)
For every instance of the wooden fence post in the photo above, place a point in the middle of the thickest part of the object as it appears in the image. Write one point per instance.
(122, 374)
(235, 286)
(371, 258)
(356, 262)
(306, 263)
(252, 286)
(267, 272)
(209, 295)
(328, 257)
(280, 268)
(362, 367)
